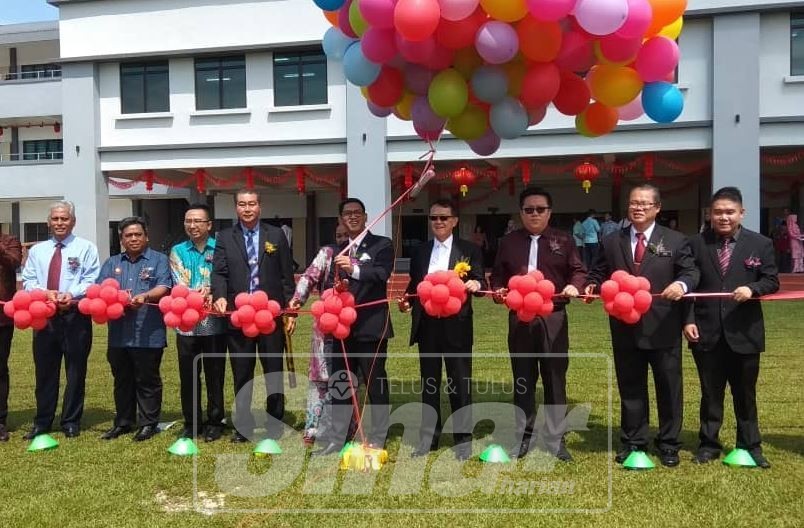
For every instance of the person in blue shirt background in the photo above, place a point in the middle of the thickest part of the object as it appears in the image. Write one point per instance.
(138, 339)
(591, 230)
(65, 266)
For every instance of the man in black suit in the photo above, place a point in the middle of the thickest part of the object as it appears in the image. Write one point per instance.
(448, 337)
(662, 256)
(249, 257)
(727, 334)
(540, 347)
(367, 266)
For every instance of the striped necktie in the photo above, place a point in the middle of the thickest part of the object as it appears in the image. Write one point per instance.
(724, 255)
(251, 252)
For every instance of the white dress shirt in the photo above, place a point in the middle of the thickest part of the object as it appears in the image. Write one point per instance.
(354, 244)
(79, 265)
(439, 257)
(648, 232)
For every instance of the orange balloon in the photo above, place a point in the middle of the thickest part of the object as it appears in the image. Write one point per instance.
(332, 17)
(614, 85)
(665, 12)
(600, 119)
(539, 41)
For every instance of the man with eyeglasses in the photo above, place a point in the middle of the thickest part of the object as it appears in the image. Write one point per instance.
(191, 266)
(366, 266)
(253, 256)
(449, 338)
(662, 256)
(541, 346)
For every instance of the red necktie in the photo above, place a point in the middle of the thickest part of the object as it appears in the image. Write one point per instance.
(724, 255)
(54, 270)
(639, 250)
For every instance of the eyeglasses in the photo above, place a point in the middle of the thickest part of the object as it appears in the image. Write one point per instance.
(537, 210)
(641, 205)
(440, 218)
(194, 221)
(347, 214)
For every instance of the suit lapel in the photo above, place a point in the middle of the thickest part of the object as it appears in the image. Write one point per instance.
(625, 247)
(239, 241)
(711, 248)
(261, 245)
(656, 240)
(454, 253)
(739, 254)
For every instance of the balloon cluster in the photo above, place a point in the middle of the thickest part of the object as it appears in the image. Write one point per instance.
(530, 296)
(488, 69)
(335, 312)
(29, 309)
(182, 309)
(442, 293)
(104, 302)
(626, 297)
(255, 313)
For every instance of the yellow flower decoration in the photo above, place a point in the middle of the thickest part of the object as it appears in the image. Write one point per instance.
(269, 248)
(462, 268)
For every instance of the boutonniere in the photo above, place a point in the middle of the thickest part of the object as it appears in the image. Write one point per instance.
(269, 248)
(145, 273)
(364, 257)
(659, 249)
(555, 247)
(462, 267)
(73, 263)
(753, 262)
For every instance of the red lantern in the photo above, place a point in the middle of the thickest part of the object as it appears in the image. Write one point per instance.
(463, 177)
(300, 186)
(200, 180)
(524, 166)
(648, 166)
(407, 180)
(56, 127)
(586, 173)
(148, 175)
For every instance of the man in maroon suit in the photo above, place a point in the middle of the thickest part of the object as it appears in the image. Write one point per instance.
(10, 260)
(542, 345)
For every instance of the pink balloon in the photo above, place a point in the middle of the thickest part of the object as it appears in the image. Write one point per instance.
(632, 110)
(550, 10)
(378, 13)
(639, 18)
(416, 20)
(619, 49)
(417, 52)
(601, 17)
(343, 20)
(418, 78)
(497, 42)
(457, 9)
(485, 145)
(657, 58)
(378, 45)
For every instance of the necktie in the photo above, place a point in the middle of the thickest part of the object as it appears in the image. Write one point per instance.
(533, 255)
(54, 270)
(724, 255)
(251, 251)
(639, 250)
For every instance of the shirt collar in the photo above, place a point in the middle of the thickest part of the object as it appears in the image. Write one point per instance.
(648, 232)
(69, 238)
(245, 229)
(209, 245)
(446, 243)
(358, 240)
(144, 255)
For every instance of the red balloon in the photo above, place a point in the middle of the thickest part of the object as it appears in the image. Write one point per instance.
(532, 302)
(619, 275)
(51, 308)
(536, 274)
(8, 308)
(416, 19)
(22, 319)
(328, 322)
(348, 316)
(195, 301)
(541, 84)
(165, 303)
(644, 283)
(547, 308)
(108, 294)
(458, 34)
(539, 41)
(452, 307)
(274, 308)
(100, 319)
(630, 284)
(608, 306)
(111, 283)
(93, 291)
(514, 282)
(178, 305)
(608, 290)
(577, 53)
(38, 295)
(546, 289)
(263, 318)
(341, 332)
(514, 300)
(190, 317)
(527, 284)
(333, 304)
(180, 291)
(631, 317)
(317, 308)
(83, 305)
(259, 300)
(124, 298)
(269, 328)
(348, 299)
(439, 294)
(246, 314)
(114, 311)
(623, 302)
(457, 288)
(642, 301)
(38, 310)
(22, 299)
(525, 316)
(573, 95)
(97, 307)
(38, 324)
(235, 320)
(251, 330)
(242, 299)
(387, 89)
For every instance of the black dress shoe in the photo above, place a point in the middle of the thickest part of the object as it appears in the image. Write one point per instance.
(145, 432)
(625, 451)
(563, 453)
(669, 457)
(463, 452)
(521, 450)
(4, 436)
(329, 449)
(116, 431)
(422, 450)
(189, 432)
(237, 438)
(705, 456)
(214, 432)
(36, 431)
(760, 459)
(71, 431)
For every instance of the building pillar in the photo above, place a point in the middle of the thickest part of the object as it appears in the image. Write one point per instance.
(367, 164)
(87, 188)
(735, 113)
(16, 228)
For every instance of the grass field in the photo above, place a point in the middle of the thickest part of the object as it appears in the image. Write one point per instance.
(88, 482)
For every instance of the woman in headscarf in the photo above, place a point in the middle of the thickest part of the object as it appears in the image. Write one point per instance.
(796, 247)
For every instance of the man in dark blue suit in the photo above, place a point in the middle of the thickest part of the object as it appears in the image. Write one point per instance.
(727, 335)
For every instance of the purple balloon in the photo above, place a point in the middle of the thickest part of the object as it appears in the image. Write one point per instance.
(423, 116)
(496, 42)
(417, 78)
(427, 135)
(378, 13)
(378, 45)
(485, 145)
(377, 110)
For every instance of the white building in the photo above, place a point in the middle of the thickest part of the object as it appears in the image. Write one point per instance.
(118, 88)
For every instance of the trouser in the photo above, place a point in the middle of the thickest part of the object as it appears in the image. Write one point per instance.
(212, 360)
(6, 334)
(137, 385)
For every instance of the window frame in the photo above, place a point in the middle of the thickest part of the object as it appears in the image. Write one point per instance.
(219, 69)
(796, 23)
(144, 74)
(298, 54)
(49, 152)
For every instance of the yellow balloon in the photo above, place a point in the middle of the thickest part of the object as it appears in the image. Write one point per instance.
(364, 91)
(471, 124)
(673, 30)
(404, 106)
(505, 10)
(614, 85)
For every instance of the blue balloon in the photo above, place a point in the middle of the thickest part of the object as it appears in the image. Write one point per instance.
(357, 68)
(508, 118)
(490, 84)
(662, 101)
(330, 5)
(335, 43)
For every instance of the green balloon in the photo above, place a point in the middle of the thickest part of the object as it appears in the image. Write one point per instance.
(448, 93)
(471, 124)
(356, 20)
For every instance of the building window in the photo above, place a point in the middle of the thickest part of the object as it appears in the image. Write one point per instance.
(36, 232)
(797, 44)
(300, 78)
(220, 83)
(144, 87)
(42, 149)
(40, 71)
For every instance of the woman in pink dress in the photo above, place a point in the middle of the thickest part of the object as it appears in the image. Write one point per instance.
(796, 247)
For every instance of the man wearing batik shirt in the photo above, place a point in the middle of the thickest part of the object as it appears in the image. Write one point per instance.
(191, 266)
